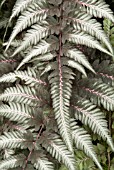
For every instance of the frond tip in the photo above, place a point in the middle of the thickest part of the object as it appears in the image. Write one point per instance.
(83, 141)
(58, 149)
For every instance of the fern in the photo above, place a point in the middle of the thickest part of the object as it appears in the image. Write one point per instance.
(90, 115)
(12, 162)
(51, 91)
(83, 141)
(41, 162)
(58, 150)
(29, 76)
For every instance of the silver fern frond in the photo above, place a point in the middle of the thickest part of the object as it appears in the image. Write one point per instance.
(83, 141)
(88, 114)
(58, 149)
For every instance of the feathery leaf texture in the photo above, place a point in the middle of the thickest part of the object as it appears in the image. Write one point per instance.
(60, 97)
(83, 141)
(99, 93)
(30, 77)
(77, 56)
(16, 112)
(21, 94)
(97, 8)
(58, 149)
(42, 48)
(20, 6)
(35, 98)
(12, 162)
(82, 38)
(41, 162)
(89, 115)
(16, 140)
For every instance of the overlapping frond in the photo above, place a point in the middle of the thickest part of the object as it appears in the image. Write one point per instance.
(85, 39)
(16, 139)
(99, 93)
(16, 112)
(53, 35)
(33, 36)
(30, 76)
(21, 94)
(40, 161)
(32, 15)
(42, 48)
(77, 56)
(83, 141)
(85, 23)
(104, 71)
(20, 6)
(58, 149)
(92, 116)
(97, 8)
(12, 162)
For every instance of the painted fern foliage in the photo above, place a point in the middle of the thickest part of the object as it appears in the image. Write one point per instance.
(55, 93)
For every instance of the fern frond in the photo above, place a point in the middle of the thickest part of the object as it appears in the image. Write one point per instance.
(77, 66)
(89, 115)
(100, 93)
(21, 94)
(42, 48)
(58, 149)
(106, 77)
(45, 57)
(77, 56)
(12, 162)
(16, 112)
(85, 23)
(20, 6)
(61, 92)
(16, 139)
(37, 33)
(29, 76)
(83, 141)
(85, 39)
(29, 17)
(97, 8)
(33, 36)
(41, 162)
